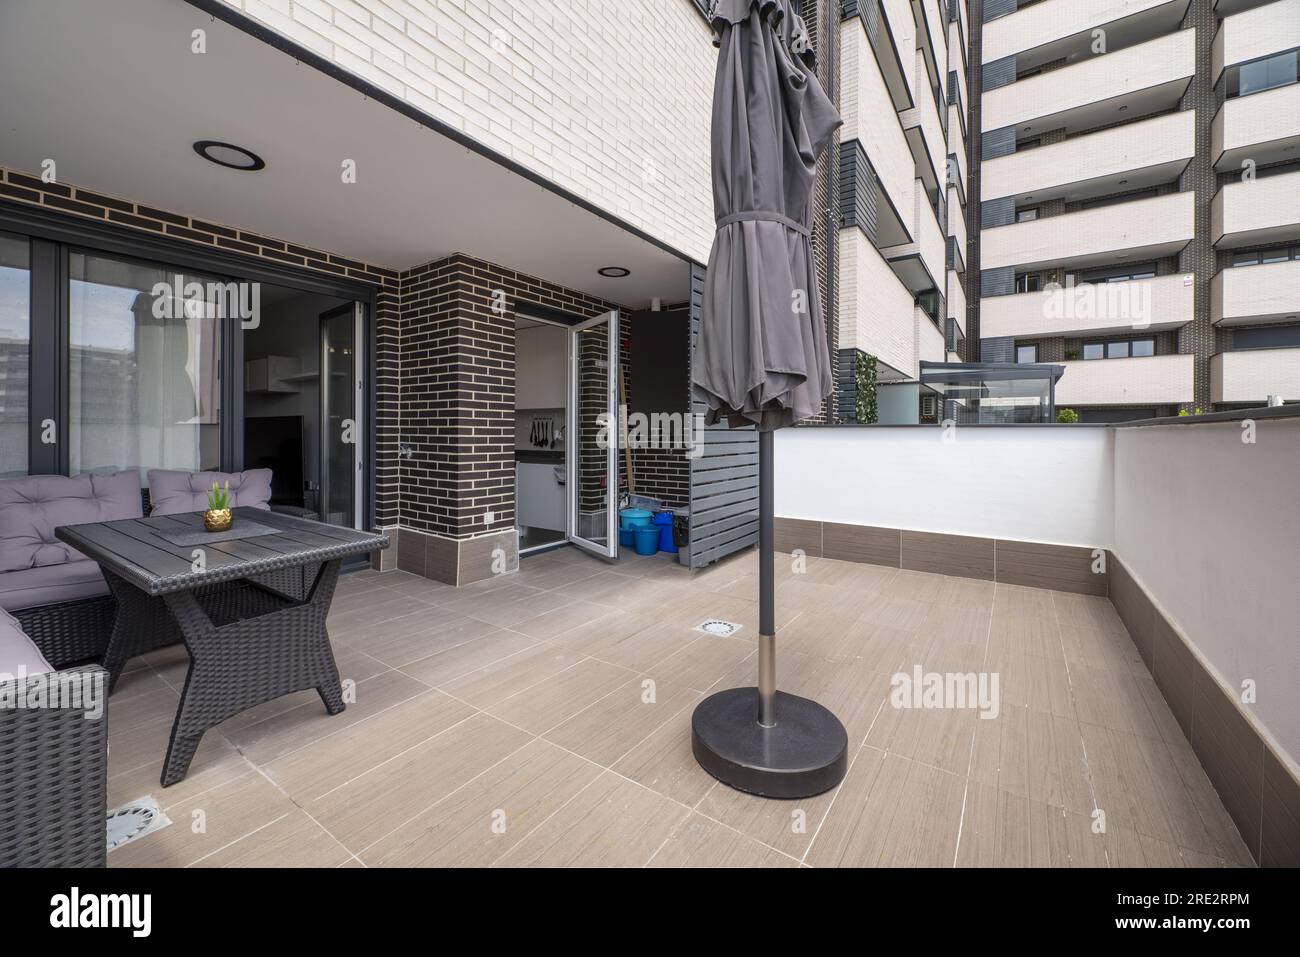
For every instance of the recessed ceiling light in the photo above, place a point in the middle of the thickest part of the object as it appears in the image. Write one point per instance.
(1123, 182)
(229, 155)
(614, 272)
(1123, 108)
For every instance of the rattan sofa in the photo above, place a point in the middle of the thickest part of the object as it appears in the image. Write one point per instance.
(53, 752)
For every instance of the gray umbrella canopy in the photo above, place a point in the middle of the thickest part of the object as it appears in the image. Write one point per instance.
(762, 356)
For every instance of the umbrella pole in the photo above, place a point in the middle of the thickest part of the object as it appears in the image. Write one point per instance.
(766, 585)
(760, 740)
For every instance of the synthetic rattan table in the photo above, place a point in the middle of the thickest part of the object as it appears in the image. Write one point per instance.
(249, 642)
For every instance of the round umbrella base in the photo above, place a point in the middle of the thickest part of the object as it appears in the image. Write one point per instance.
(805, 753)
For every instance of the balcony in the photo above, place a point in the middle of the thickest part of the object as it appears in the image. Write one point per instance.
(1140, 229)
(957, 222)
(1147, 153)
(870, 118)
(1249, 295)
(1252, 375)
(875, 308)
(1165, 302)
(1262, 210)
(884, 29)
(1138, 81)
(1148, 380)
(920, 264)
(1263, 127)
(1052, 29)
(924, 128)
(957, 302)
(1252, 34)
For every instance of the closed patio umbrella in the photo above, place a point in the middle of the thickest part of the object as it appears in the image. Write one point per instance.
(762, 357)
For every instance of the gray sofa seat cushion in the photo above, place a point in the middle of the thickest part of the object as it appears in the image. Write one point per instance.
(31, 508)
(50, 584)
(172, 491)
(17, 651)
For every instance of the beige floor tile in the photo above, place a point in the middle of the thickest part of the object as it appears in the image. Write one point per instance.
(215, 763)
(417, 638)
(554, 623)
(1019, 601)
(788, 826)
(938, 737)
(288, 731)
(508, 676)
(610, 823)
(642, 649)
(1023, 635)
(464, 659)
(1099, 648)
(622, 719)
(555, 700)
(330, 761)
(479, 822)
(1087, 611)
(995, 829)
(1041, 684)
(699, 842)
(366, 808)
(663, 761)
(206, 823)
(703, 664)
(864, 806)
(294, 840)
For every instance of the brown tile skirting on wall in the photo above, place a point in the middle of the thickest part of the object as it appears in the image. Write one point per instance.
(1059, 567)
(1258, 790)
(456, 561)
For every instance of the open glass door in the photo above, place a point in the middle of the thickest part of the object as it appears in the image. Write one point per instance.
(592, 435)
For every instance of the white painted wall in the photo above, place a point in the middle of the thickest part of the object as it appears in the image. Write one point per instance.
(1032, 484)
(1210, 526)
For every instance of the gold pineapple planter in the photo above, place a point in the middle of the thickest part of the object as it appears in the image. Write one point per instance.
(217, 519)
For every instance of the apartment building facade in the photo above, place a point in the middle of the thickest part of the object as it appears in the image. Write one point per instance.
(1139, 200)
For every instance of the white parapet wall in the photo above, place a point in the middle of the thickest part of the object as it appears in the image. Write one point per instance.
(1041, 484)
(1208, 524)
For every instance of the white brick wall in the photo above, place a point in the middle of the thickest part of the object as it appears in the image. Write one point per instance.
(1245, 213)
(869, 115)
(609, 99)
(1149, 380)
(876, 310)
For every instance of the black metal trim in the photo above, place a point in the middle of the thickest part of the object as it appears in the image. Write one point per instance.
(534, 310)
(46, 363)
(202, 146)
(219, 10)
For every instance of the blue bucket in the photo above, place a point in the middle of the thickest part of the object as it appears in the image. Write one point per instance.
(634, 517)
(647, 539)
(664, 522)
(625, 538)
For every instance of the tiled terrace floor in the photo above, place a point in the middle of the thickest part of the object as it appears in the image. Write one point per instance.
(544, 718)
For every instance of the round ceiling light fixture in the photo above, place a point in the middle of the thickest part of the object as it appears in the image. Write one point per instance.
(229, 155)
(614, 272)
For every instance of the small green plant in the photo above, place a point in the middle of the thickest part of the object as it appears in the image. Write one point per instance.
(1071, 355)
(1067, 415)
(1185, 412)
(219, 498)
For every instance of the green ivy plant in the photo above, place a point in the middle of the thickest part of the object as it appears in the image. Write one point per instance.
(219, 498)
(1068, 416)
(865, 370)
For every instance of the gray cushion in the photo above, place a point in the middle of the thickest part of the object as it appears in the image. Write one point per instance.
(51, 584)
(32, 508)
(172, 491)
(17, 650)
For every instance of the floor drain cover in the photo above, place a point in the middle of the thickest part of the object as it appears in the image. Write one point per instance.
(716, 626)
(134, 820)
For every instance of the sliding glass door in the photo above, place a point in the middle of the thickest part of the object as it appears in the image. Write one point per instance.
(340, 398)
(15, 352)
(144, 376)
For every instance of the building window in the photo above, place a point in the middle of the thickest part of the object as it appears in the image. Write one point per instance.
(1266, 73)
(1119, 349)
(1262, 257)
(1273, 337)
(1119, 273)
(1027, 215)
(15, 352)
(1027, 353)
(1029, 282)
(143, 368)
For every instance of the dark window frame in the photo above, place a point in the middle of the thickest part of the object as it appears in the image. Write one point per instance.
(53, 236)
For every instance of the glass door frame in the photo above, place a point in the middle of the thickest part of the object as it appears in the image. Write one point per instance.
(52, 235)
(573, 438)
(357, 388)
